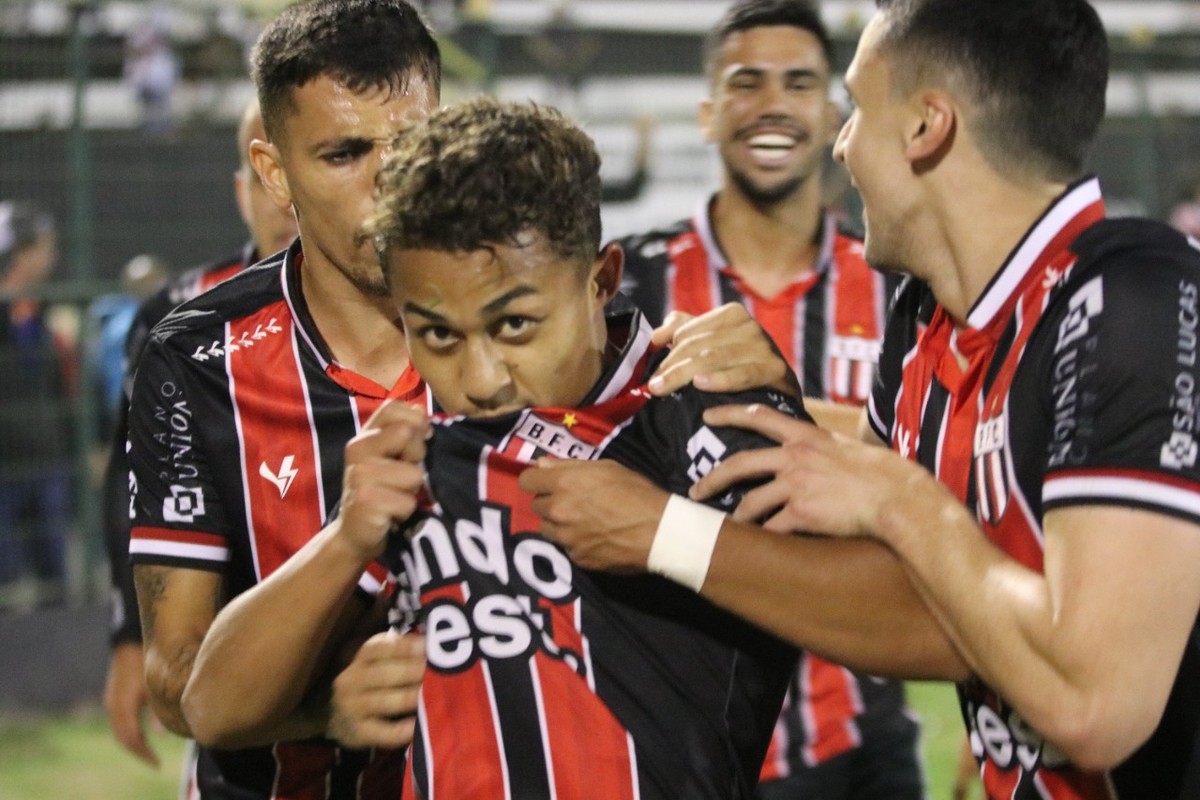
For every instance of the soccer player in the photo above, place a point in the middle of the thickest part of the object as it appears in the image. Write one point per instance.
(1041, 493)
(764, 239)
(245, 397)
(542, 680)
(271, 229)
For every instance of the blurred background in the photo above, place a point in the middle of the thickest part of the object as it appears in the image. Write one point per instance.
(117, 130)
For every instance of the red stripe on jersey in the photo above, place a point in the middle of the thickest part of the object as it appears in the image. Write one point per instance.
(780, 314)
(691, 282)
(151, 533)
(833, 705)
(775, 765)
(478, 766)
(303, 772)
(1076, 785)
(281, 468)
(210, 279)
(999, 784)
(859, 302)
(604, 769)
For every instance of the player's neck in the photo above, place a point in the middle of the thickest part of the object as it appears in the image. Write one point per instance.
(966, 255)
(361, 331)
(770, 247)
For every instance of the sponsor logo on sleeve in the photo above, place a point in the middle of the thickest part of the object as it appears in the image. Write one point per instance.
(1180, 449)
(184, 505)
(1086, 303)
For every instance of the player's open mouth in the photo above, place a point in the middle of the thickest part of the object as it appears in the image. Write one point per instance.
(771, 148)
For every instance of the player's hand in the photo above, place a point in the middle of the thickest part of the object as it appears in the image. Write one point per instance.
(374, 700)
(603, 514)
(126, 702)
(816, 481)
(383, 477)
(722, 350)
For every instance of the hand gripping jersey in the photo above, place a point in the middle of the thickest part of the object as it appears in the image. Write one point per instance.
(1079, 390)
(829, 326)
(545, 680)
(237, 431)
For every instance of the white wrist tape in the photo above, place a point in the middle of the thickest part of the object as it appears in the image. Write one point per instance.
(683, 544)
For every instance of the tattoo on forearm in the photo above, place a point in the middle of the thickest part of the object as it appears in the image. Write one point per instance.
(151, 585)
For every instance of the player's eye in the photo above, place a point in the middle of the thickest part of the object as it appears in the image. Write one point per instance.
(437, 337)
(515, 326)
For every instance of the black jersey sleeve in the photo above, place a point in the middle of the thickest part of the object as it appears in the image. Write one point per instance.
(176, 516)
(1117, 375)
(681, 448)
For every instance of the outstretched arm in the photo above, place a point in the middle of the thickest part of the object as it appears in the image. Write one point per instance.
(297, 617)
(1031, 635)
(847, 600)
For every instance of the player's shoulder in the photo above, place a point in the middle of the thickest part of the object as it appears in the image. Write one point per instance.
(653, 243)
(1136, 261)
(250, 290)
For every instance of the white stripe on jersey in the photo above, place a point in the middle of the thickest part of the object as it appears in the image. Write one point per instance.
(543, 729)
(491, 691)
(1093, 487)
(200, 552)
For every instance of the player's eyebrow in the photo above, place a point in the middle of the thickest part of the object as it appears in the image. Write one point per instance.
(492, 307)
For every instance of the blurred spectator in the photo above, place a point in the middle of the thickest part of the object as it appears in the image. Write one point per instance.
(152, 69)
(109, 319)
(35, 429)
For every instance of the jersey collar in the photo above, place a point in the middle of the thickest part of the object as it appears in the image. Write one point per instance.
(1076, 209)
(407, 385)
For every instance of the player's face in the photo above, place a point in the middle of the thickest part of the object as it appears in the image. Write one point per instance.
(495, 331)
(770, 113)
(871, 146)
(331, 148)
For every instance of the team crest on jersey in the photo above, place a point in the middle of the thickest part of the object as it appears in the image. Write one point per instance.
(991, 467)
(554, 438)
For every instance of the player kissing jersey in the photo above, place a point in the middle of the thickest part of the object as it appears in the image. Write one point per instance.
(545, 680)
(246, 487)
(1081, 365)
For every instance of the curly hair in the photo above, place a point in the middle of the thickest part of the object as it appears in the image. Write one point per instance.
(365, 44)
(485, 173)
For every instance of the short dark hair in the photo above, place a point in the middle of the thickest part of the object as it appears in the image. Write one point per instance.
(1036, 70)
(484, 173)
(746, 14)
(365, 44)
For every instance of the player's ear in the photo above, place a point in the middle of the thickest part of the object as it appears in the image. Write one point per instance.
(704, 115)
(931, 129)
(606, 272)
(267, 162)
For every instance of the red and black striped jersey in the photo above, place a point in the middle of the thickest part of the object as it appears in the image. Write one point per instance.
(238, 424)
(828, 324)
(1078, 389)
(545, 680)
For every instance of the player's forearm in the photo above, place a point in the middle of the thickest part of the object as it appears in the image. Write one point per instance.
(288, 623)
(848, 600)
(1063, 655)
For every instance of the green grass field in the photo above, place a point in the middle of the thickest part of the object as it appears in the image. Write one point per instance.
(74, 756)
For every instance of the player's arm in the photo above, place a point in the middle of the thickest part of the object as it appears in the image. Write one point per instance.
(296, 617)
(849, 601)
